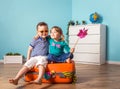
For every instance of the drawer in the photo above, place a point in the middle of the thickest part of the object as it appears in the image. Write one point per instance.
(87, 58)
(86, 48)
(92, 29)
(87, 39)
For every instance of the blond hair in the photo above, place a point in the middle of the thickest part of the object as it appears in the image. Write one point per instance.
(59, 30)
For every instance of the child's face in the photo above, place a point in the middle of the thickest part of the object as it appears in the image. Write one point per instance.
(54, 34)
(42, 31)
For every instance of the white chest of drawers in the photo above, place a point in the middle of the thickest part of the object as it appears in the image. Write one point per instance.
(92, 48)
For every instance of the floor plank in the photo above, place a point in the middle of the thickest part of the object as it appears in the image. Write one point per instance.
(88, 77)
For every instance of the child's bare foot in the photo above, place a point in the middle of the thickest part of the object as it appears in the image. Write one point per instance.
(68, 60)
(35, 82)
(13, 81)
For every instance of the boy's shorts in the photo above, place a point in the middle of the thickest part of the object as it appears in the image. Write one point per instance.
(35, 61)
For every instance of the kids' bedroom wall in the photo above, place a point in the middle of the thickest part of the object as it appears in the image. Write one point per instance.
(18, 19)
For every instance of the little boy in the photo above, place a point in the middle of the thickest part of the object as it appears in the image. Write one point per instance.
(36, 56)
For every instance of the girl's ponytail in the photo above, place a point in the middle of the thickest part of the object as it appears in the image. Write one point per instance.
(62, 37)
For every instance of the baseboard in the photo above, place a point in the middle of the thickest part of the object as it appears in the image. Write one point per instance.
(113, 62)
(1, 61)
(108, 62)
(91, 63)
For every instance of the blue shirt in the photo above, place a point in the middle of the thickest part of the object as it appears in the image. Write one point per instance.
(40, 47)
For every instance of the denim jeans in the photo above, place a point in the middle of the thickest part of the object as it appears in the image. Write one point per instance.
(61, 58)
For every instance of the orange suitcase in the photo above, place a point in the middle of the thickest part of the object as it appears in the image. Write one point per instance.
(55, 73)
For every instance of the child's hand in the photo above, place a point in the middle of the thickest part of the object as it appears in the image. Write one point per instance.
(72, 50)
(36, 36)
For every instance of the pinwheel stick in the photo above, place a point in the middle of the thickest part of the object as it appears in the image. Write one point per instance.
(76, 42)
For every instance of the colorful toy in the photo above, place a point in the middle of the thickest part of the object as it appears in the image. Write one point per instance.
(47, 75)
(82, 34)
(94, 17)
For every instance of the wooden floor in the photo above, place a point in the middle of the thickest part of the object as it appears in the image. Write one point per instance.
(88, 77)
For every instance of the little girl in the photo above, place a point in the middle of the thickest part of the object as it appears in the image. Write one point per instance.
(59, 51)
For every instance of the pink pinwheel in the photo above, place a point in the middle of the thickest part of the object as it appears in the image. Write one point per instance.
(82, 33)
